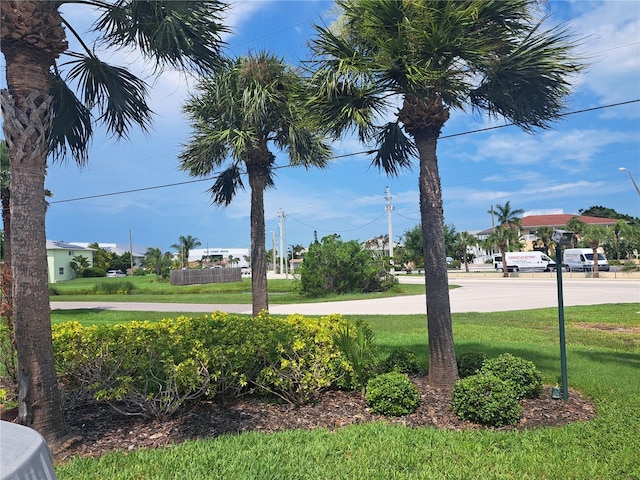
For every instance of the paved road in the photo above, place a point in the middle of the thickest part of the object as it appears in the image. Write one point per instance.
(475, 295)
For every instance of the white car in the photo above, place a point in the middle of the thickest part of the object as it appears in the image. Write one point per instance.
(116, 273)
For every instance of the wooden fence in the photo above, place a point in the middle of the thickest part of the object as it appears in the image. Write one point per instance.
(205, 275)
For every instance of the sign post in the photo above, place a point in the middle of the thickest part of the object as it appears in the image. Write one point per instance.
(562, 238)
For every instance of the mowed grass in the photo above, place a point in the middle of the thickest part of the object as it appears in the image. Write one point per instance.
(151, 289)
(603, 357)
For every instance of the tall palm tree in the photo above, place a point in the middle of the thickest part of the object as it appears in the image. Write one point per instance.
(464, 240)
(492, 56)
(508, 219)
(184, 246)
(250, 106)
(594, 236)
(576, 226)
(42, 115)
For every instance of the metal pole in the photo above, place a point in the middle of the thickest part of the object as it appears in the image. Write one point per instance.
(622, 169)
(563, 351)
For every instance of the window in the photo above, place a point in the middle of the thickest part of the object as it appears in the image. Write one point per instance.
(70, 253)
(61, 271)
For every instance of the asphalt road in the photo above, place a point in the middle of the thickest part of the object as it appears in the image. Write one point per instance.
(474, 295)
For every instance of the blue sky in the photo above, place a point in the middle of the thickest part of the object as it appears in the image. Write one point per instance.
(569, 167)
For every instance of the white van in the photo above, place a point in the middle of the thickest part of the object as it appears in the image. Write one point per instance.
(581, 260)
(525, 262)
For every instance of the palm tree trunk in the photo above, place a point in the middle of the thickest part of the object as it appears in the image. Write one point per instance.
(443, 371)
(259, 297)
(32, 37)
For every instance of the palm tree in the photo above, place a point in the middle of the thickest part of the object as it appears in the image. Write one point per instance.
(249, 106)
(464, 240)
(545, 235)
(594, 236)
(154, 258)
(507, 219)
(506, 239)
(42, 115)
(79, 264)
(184, 246)
(576, 226)
(433, 57)
(507, 216)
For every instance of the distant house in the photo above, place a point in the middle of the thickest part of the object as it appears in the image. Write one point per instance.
(59, 258)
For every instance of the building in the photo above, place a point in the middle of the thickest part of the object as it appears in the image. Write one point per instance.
(219, 256)
(533, 220)
(59, 258)
(138, 251)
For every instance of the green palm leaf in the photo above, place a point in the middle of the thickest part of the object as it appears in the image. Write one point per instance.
(72, 126)
(118, 94)
(184, 34)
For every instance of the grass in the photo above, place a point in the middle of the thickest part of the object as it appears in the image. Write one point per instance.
(602, 364)
(150, 289)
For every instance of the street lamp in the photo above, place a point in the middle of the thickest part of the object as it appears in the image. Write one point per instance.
(622, 169)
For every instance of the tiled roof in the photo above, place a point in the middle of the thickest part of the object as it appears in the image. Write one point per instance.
(54, 245)
(532, 222)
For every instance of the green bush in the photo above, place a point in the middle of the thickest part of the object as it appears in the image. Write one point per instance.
(155, 368)
(335, 266)
(401, 360)
(469, 363)
(94, 272)
(392, 394)
(526, 379)
(486, 399)
(356, 343)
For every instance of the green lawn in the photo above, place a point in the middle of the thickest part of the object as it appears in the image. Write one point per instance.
(149, 289)
(603, 364)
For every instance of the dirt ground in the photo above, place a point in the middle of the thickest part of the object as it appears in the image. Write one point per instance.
(97, 428)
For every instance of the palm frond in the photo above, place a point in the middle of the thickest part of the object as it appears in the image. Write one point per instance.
(528, 85)
(226, 185)
(72, 128)
(395, 149)
(184, 34)
(118, 94)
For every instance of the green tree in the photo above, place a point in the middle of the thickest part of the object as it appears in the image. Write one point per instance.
(250, 106)
(101, 257)
(509, 222)
(544, 236)
(413, 252)
(576, 226)
(79, 264)
(506, 238)
(184, 246)
(593, 236)
(494, 57)
(42, 115)
(336, 266)
(464, 240)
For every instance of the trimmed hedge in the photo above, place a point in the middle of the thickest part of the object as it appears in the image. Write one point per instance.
(155, 368)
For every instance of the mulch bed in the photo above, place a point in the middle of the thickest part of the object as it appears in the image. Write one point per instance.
(102, 429)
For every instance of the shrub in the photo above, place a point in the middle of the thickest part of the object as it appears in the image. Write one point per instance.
(469, 363)
(401, 360)
(392, 394)
(94, 272)
(526, 379)
(356, 343)
(155, 368)
(486, 399)
(335, 266)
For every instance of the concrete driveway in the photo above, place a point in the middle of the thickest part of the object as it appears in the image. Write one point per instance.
(474, 295)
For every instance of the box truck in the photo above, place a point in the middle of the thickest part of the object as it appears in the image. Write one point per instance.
(525, 262)
(581, 260)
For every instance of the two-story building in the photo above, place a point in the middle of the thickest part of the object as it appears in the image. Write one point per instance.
(59, 258)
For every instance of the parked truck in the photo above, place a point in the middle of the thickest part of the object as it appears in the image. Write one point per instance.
(581, 260)
(525, 262)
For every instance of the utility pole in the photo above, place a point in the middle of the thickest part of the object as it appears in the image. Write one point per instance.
(273, 251)
(389, 209)
(283, 244)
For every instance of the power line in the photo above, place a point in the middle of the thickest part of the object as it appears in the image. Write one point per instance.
(365, 152)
